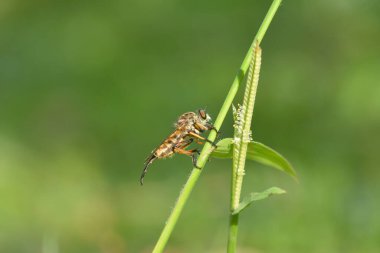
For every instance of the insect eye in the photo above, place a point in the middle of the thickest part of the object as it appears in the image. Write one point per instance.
(202, 113)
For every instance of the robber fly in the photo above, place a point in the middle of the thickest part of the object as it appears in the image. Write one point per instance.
(188, 128)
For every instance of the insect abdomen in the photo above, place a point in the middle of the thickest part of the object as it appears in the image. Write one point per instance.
(166, 149)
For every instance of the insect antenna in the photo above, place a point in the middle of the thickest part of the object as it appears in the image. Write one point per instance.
(148, 161)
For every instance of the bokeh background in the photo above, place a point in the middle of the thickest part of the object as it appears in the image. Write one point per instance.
(89, 88)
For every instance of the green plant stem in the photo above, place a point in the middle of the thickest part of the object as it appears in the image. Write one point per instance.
(232, 234)
(207, 149)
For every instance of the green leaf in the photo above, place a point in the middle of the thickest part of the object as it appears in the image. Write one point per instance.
(224, 149)
(255, 196)
(258, 152)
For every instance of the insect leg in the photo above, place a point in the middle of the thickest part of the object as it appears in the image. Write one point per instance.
(148, 161)
(184, 143)
(193, 153)
(207, 126)
(194, 157)
(211, 127)
(199, 142)
(202, 138)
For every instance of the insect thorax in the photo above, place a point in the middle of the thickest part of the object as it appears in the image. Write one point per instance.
(186, 120)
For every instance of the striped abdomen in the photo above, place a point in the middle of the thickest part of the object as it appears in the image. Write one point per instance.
(166, 149)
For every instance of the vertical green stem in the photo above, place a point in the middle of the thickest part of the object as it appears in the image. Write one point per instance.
(207, 149)
(233, 231)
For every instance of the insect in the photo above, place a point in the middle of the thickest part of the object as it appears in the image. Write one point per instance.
(188, 128)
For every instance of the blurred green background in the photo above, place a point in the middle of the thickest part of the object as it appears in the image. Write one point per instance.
(89, 88)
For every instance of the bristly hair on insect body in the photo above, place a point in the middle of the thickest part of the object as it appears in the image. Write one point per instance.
(188, 128)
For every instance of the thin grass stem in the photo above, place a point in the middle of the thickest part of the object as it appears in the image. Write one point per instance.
(207, 149)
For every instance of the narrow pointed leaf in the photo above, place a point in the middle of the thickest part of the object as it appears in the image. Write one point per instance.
(265, 155)
(258, 152)
(255, 196)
